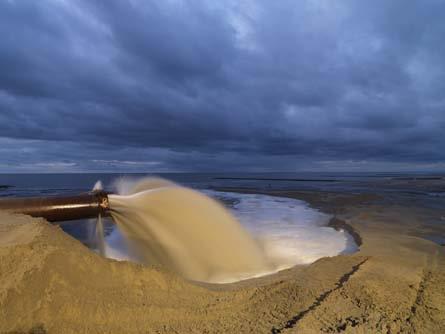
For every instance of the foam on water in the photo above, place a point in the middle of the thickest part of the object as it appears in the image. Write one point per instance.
(161, 223)
(290, 231)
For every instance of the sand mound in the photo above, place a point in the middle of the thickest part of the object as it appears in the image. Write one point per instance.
(49, 280)
(51, 283)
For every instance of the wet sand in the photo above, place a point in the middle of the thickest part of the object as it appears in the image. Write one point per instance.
(395, 283)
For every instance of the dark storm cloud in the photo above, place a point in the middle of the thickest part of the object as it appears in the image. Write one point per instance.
(199, 85)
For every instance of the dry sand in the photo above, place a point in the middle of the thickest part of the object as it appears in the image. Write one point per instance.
(51, 283)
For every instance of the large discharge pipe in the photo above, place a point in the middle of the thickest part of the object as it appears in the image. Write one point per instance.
(60, 208)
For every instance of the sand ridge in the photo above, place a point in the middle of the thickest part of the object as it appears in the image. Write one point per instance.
(51, 283)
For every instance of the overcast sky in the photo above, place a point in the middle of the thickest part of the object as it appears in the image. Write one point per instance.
(223, 85)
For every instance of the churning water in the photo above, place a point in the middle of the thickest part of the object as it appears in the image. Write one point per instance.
(185, 231)
(188, 232)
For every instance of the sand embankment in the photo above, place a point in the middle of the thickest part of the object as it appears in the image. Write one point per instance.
(51, 283)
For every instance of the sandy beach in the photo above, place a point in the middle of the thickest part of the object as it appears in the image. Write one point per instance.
(395, 283)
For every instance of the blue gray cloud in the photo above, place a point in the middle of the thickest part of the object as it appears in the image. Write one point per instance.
(203, 85)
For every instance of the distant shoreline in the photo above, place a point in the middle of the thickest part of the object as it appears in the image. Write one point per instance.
(273, 179)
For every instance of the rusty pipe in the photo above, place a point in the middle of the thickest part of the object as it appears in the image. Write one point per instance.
(60, 208)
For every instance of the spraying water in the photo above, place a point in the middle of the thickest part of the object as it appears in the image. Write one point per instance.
(161, 223)
(186, 232)
(99, 234)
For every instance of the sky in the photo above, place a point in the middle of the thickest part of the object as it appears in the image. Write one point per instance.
(228, 85)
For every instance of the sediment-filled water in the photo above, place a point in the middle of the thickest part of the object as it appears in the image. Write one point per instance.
(161, 223)
(185, 231)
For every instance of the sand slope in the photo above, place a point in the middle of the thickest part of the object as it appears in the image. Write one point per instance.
(51, 283)
(399, 289)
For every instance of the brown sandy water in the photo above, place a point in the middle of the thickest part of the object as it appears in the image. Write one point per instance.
(186, 232)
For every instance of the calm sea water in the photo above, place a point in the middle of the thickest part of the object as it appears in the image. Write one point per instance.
(432, 185)
(421, 189)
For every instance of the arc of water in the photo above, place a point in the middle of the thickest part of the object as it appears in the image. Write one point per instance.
(99, 233)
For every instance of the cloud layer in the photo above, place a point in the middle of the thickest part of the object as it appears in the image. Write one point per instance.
(193, 85)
